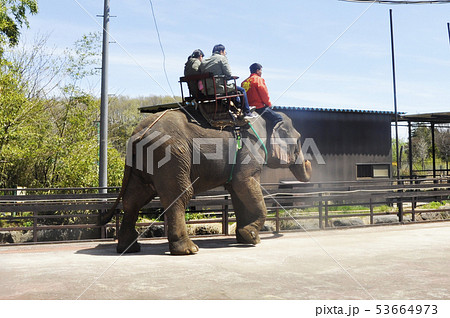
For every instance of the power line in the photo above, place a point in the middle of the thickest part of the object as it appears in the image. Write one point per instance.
(161, 46)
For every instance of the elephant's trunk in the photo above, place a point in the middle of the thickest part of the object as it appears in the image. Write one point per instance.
(301, 169)
(302, 172)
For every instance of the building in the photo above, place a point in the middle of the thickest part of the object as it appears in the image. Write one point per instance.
(343, 145)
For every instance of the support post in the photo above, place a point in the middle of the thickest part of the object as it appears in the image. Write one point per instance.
(371, 210)
(277, 221)
(448, 28)
(103, 160)
(400, 209)
(225, 219)
(433, 149)
(395, 92)
(410, 157)
(320, 212)
(35, 225)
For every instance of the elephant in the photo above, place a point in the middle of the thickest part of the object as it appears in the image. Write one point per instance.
(176, 154)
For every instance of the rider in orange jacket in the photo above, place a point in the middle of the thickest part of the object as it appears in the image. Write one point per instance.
(257, 92)
(258, 95)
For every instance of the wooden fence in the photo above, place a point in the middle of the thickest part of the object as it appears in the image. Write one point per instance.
(289, 205)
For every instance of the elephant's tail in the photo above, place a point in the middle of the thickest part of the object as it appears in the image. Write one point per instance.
(108, 215)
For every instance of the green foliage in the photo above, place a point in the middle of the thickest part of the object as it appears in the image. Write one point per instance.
(335, 210)
(84, 60)
(13, 15)
(53, 141)
(421, 144)
(384, 208)
(124, 117)
(433, 205)
(50, 142)
(421, 151)
(14, 104)
(17, 121)
(198, 216)
(442, 137)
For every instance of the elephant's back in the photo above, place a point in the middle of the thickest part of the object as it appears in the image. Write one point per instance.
(176, 122)
(162, 121)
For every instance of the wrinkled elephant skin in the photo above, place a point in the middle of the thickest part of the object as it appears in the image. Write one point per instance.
(176, 156)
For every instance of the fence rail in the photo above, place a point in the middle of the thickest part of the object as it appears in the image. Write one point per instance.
(289, 204)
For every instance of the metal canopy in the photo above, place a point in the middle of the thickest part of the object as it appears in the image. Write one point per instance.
(437, 118)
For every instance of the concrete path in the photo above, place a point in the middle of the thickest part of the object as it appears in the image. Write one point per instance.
(389, 262)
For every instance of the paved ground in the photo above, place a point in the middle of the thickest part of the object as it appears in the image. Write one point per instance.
(395, 262)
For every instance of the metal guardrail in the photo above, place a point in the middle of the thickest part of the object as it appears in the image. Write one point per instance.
(79, 208)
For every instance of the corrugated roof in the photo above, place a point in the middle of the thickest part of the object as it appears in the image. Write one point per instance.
(334, 110)
(442, 118)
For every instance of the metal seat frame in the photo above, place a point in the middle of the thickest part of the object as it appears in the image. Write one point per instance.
(216, 99)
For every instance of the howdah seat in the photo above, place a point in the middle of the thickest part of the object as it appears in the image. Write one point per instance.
(219, 108)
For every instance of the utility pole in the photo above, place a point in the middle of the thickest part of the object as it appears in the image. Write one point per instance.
(395, 93)
(103, 161)
(448, 28)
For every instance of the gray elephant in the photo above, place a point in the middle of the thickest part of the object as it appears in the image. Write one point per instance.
(176, 154)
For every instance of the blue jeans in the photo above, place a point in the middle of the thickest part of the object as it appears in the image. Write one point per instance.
(244, 103)
(269, 115)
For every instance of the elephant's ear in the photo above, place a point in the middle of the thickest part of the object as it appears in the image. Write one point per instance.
(283, 145)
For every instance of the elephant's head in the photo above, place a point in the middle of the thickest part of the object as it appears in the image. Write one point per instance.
(286, 151)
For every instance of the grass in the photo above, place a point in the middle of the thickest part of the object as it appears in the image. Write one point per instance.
(434, 205)
(342, 209)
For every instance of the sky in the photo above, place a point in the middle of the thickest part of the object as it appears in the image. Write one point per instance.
(315, 53)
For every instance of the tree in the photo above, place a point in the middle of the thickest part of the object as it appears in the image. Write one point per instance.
(13, 106)
(442, 139)
(13, 15)
(403, 145)
(41, 69)
(48, 131)
(47, 141)
(124, 117)
(421, 144)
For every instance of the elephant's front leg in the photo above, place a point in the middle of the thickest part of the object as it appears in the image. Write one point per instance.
(250, 209)
(179, 242)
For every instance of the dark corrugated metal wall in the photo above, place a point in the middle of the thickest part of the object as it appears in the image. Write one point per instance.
(345, 133)
(344, 139)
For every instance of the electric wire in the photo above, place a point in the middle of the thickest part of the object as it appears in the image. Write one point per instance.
(162, 48)
(133, 58)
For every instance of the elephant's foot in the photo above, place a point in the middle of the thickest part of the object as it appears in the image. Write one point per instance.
(248, 235)
(127, 248)
(183, 246)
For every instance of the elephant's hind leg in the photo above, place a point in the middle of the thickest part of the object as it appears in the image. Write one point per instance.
(179, 241)
(136, 196)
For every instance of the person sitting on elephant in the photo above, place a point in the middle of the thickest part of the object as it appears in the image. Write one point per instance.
(192, 67)
(217, 64)
(258, 95)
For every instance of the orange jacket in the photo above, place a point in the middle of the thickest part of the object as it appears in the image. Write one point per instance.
(257, 92)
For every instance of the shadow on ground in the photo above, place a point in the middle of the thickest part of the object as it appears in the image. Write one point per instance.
(161, 247)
